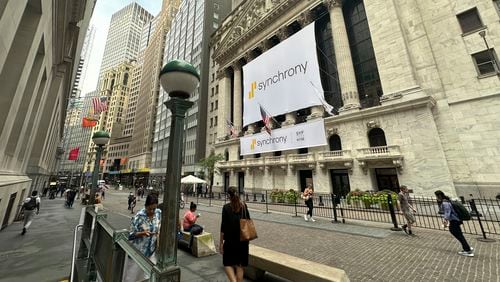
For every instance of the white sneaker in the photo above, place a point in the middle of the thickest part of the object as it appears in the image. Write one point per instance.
(305, 218)
(312, 219)
(467, 254)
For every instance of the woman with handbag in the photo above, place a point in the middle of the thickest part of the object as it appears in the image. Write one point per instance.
(308, 198)
(234, 251)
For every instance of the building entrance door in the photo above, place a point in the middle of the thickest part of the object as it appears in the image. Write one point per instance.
(340, 182)
(387, 179)
(305, 177)
(241, 182)
(9, 210)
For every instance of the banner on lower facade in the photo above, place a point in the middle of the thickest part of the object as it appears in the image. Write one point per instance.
(283, 79)
(309, 134)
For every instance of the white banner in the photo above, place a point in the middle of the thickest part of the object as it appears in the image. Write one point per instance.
(308, 134)
(284, 78)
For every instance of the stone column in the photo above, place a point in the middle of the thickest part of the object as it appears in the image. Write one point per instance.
(224, 111)
(290, 119)
(238, 98)
(251, 129)
(345, 67)
(316, 112)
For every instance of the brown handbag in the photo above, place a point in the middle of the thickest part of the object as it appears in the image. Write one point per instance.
(247, 228)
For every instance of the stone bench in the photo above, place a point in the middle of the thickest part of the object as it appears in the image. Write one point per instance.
(292, 268)
(203, 244)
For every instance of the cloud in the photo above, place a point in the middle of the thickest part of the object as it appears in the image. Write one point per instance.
(101, 19)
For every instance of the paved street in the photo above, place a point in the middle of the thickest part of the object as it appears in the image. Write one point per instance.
(366, 253)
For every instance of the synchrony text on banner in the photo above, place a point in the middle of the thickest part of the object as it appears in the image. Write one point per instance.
(282, 75)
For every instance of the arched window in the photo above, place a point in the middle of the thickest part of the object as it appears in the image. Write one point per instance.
(376, 137)
(226, 155)
(334, 142)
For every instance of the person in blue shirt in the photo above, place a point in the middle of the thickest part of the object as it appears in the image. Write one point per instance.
(144, 232)
(451, 219)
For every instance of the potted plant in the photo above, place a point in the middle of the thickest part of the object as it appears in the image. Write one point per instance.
(277, 196)
(292, 196)
(382, 199)
(354, 198)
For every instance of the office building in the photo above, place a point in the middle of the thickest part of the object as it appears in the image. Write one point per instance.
(188, 39)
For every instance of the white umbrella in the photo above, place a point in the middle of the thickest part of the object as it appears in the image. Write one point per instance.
(191, 179)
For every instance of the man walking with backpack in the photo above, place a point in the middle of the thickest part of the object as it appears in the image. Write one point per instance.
(30, 204)
(453, 217)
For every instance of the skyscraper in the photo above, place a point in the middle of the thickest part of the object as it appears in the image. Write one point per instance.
(188, 39)
(144, 121)
(123, 40)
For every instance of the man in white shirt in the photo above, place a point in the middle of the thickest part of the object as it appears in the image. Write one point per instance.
(30, 206)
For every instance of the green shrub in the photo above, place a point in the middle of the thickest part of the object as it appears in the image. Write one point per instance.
(292, 196)
(277, 196)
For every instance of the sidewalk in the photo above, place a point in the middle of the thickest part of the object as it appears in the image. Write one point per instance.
(43, 254)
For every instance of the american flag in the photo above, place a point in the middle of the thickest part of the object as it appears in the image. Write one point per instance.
(266, 118)
(100, 104)
(232, 129)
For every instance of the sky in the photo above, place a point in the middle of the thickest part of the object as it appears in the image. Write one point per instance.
(101, 17)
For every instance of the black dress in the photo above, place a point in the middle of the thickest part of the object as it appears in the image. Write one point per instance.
(235, 251)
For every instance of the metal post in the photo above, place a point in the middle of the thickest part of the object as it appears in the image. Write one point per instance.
(295, 207)
(478, 215)
(267, 207)
(393, 213)
(95, 174)
(73, 255)
(334, 207)
(167, 250)
(254, 197)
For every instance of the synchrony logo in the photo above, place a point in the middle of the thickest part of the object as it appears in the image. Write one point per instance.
(267, 141)
(281, 75)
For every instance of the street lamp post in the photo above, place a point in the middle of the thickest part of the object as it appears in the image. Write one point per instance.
(100, 138)
(179, 79)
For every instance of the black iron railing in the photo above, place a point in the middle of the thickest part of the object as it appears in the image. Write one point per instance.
(385, 209)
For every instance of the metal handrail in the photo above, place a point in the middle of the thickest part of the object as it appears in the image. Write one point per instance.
(73, 255)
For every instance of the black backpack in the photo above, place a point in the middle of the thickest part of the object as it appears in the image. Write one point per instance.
(31, 205)
(460, 210)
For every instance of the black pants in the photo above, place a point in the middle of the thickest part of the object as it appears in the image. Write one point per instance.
(309, 204)
(456, 231)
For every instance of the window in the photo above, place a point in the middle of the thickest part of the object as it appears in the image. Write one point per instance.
(212, 106)
(211, 122)
(213, 77)
(216, 16)
(486, 62)
(217, 89)
(216, 104)
(212, 92)
(215, 121)
(496, 3)
(469, 20)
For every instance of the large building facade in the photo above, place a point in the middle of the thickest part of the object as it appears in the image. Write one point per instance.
(188, 39)
(124, 35)
(76, 136)
(39, 52)
(414, 85)
(144, 121)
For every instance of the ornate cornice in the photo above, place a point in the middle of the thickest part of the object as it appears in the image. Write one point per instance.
(245, 22)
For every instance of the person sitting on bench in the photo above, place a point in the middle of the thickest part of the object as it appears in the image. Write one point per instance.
(189, 223)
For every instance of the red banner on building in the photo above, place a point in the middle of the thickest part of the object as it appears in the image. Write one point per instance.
(73, 154)
(86, 122)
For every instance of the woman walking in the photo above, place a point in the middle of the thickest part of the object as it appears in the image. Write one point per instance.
(450, 218)
(234, 252)
(308, 197)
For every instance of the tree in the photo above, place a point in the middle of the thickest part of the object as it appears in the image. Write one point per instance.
(208, 163)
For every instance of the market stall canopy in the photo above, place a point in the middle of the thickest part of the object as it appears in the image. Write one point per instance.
(191, 179)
